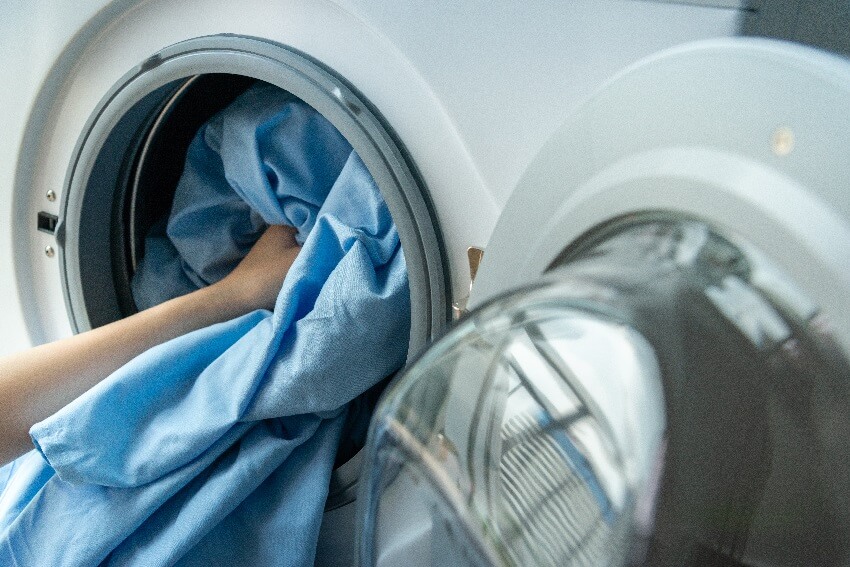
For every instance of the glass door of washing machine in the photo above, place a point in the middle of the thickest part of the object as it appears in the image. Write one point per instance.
(657, 370)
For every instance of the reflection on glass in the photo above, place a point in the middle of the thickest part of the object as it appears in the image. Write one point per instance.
(667, 398)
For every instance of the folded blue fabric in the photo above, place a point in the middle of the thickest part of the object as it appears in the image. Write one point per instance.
(216, 448)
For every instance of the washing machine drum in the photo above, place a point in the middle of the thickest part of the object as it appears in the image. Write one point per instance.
(675, 388)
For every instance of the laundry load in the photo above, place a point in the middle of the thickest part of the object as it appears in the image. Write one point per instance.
(216, 448)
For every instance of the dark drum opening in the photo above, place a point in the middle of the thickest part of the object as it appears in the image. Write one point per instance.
(157, 165)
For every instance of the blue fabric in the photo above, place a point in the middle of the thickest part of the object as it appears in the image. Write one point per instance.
(268, 159)
(216, 448)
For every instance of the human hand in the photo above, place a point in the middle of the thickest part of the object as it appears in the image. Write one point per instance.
(37, 382)
(256, 281)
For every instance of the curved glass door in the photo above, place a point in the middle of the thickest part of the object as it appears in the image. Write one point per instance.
(668, 397)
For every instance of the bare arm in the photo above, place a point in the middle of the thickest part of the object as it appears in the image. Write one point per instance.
(36, 383)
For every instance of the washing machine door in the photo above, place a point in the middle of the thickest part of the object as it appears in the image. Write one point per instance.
(658, 370)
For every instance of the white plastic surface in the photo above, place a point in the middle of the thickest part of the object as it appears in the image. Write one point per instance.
(23, 25)
(702, 131)
(472, 90)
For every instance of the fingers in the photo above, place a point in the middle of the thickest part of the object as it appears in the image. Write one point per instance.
(282, 234)
(257, 279)
(276, 239)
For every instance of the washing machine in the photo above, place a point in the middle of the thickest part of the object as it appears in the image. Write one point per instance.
(543, 133)
(656, 370)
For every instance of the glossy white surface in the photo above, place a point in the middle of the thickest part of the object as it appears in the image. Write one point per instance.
(708, 149)
(472, 90)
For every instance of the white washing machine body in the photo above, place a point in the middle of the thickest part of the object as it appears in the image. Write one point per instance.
(470, 91)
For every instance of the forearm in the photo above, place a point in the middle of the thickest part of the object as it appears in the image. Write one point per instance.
(36, 383)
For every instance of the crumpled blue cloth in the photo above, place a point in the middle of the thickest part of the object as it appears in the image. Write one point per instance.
(216, 448)
(237, 180)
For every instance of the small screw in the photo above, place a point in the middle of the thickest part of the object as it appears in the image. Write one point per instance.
(49, 251)
(782, 141)
(51, 195)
